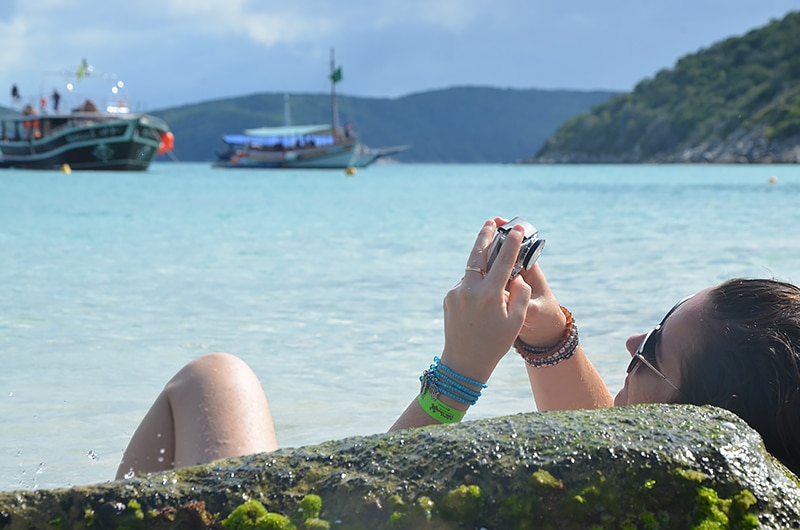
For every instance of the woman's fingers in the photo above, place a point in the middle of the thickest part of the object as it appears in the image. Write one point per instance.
(477, 257)
(535, 278)
(504, 263)
(519, 294)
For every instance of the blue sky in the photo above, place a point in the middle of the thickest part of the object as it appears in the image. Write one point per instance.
(173, 52)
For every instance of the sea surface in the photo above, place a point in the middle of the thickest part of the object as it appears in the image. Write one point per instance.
(330, 286)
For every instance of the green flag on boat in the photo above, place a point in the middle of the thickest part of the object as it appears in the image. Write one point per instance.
(82, 70)
(336, 76)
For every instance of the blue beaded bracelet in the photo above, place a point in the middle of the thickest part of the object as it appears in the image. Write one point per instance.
(439, 379)
(450, 372)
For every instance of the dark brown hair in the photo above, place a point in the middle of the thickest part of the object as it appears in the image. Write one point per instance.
(749, 361)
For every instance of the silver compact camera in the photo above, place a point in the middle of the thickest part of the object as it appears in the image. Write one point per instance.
(529, 251)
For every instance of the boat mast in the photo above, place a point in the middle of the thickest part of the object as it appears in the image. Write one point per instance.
(334, 125)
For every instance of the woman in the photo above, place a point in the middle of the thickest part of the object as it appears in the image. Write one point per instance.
(734, 346)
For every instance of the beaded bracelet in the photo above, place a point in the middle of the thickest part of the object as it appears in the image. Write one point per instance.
(439, 379)
(540, 357)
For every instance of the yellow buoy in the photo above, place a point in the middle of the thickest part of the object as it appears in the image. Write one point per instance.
(66, 169)
(350, 170)
(773, 179)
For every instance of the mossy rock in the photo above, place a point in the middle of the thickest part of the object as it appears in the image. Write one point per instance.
(648, 466)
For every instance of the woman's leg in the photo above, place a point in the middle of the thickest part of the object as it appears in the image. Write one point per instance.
(213, 408)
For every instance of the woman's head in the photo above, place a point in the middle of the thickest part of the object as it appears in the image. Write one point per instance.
(735, 346)
(659, 356)
(746, 360)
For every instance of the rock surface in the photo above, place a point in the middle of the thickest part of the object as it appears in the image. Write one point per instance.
(652, 466)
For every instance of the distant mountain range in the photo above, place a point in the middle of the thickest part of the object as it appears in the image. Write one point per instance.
(462, 124)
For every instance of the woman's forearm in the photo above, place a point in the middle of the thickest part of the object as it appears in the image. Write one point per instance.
(569, 385)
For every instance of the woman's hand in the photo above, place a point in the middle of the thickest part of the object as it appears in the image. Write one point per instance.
(484, 312)
(544, 321)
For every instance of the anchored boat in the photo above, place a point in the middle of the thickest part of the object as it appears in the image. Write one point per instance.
(87, 137)
(301, 146)
(83, 140)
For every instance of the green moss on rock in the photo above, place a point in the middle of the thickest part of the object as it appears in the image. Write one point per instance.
(310, 507)
(651, 467)
(252, 515)
(246, 516)
(316, 524)
(463, 504)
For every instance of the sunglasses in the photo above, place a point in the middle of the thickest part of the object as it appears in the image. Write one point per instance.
(646, 352)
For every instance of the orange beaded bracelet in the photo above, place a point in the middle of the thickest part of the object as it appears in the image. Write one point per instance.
(550, 356)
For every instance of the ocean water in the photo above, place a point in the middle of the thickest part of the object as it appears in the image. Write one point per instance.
(330, 286)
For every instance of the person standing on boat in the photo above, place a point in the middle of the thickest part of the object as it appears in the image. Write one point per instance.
(56, 99)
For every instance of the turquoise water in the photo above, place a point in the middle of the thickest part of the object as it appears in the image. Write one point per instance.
(330, 286)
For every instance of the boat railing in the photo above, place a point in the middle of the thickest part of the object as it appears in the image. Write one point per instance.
(33, 126)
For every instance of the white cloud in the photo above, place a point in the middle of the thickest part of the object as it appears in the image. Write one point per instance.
(263, 23)
(271, 23)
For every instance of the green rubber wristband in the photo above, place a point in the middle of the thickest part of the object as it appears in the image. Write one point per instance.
(438, 410)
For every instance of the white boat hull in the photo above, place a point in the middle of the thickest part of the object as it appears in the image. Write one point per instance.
(336, 156)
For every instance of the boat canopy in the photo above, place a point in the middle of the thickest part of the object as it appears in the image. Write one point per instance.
(297, 136)
(292, 130)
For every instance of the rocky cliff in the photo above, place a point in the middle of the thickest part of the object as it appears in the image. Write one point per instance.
(748, 146)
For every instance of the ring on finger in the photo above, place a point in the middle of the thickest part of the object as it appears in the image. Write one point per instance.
(480, 271)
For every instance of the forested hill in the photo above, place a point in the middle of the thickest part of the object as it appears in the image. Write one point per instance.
(736, 101)
(463, 124)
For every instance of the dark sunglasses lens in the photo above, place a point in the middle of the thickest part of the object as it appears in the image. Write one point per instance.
(641, 350)
(633, 363)
(649, 350)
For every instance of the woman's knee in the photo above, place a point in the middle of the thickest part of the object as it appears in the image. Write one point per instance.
(219, 361)
(210, 369)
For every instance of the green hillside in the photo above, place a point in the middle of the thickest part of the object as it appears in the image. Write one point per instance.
(465, 124)
(737, 101)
